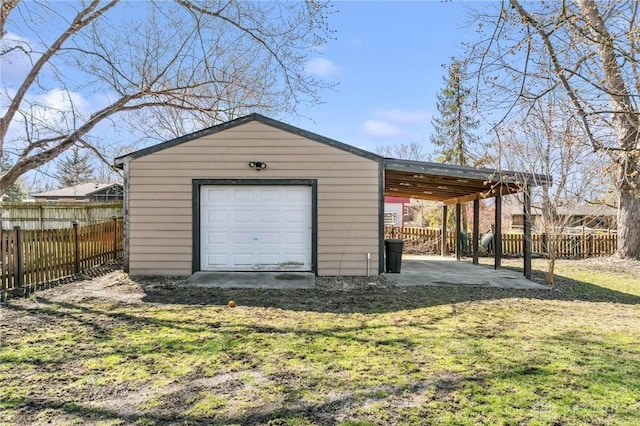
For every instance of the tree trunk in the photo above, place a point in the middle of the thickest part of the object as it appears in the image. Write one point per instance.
(628, 223)
(625, 121)
(551, 267)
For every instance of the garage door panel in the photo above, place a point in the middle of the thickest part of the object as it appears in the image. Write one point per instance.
(218, 259)
(215, 195)
(256, 228)
(242, 196)
(269, 237)
(242, 237)
(295, 216)
(242, 260)
(270, 196)
(243, 216)
(220, 216)
(216, 237)
(294, 258)
(296, 194)
(295, 238)
(270, 216)
(268, 259)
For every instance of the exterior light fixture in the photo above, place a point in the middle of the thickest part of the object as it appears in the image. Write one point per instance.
(258, 165)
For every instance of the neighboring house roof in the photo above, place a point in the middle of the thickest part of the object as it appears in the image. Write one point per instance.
(82, 190)
(581, 210)
(404, 178)
(398, 200)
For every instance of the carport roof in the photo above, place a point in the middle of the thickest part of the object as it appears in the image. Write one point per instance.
(402, 178)
(453, 184)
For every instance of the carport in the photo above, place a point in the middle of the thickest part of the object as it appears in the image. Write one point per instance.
(453, 185)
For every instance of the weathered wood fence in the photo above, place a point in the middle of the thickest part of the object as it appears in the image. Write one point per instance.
(424, 240)
(35, 258)
(50, 215)
(428, 240)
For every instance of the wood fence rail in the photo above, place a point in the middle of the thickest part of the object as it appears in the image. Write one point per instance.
(50, 215)
(35, 258)
(570, 246)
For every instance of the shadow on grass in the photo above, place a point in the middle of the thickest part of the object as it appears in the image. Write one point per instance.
(177, 403)
(435, 394)
(102, 321)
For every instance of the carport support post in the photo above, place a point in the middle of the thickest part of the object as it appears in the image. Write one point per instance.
(476, 229)
(497, 238)
(527, 232)
(444, 250)
(458, 230)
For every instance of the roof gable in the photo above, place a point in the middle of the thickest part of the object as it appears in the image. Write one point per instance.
(81, 190)
(119, 161)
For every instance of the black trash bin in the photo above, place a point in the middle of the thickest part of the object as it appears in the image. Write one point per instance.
(393, 255)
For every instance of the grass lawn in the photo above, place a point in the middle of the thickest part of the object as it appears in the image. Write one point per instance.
(106, 352)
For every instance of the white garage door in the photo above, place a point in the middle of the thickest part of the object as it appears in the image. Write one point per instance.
(255, 228)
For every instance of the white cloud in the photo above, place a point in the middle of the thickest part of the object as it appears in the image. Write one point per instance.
(381, 129)
(400, 116)
(49, 113)
(56, 109)
(322, 67)
(62, 100)
(395, 123)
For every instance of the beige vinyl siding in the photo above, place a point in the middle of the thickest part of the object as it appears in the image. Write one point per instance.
(160, 196)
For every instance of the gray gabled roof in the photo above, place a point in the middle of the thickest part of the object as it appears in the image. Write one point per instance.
(444, 181)
(81, 190)
(119, 161)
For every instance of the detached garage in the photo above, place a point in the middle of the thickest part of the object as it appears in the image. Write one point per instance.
(255, 194)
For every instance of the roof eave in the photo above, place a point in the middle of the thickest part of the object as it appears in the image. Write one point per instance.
(119, 161)
(466, 172)
(103, 188)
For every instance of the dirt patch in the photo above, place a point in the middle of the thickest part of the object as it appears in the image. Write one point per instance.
(110, 284)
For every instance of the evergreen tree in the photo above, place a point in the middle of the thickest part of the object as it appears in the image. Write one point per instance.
(74, 169)
(16, 191)
(453, 137)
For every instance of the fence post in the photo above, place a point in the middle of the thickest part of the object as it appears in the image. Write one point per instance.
(76, 249)
(18, 278)
(115, 237)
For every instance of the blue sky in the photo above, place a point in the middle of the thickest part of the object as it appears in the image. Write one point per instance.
(388, 60)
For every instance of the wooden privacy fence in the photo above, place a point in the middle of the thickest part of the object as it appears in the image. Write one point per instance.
(428, 240)
(32, 259)
(50, 215)
(425, 240)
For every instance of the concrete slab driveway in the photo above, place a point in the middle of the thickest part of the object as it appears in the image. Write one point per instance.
(446, 271)
(276, 280)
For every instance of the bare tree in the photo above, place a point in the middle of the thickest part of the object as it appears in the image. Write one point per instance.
(95, 70)
(545, 141)
(587, 52)
(405, 151)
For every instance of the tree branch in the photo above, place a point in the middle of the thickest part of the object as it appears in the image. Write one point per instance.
(559, 71)
(81, 20)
